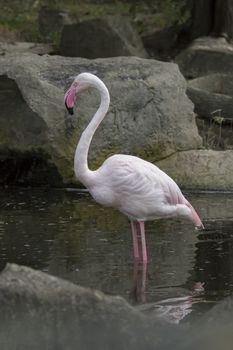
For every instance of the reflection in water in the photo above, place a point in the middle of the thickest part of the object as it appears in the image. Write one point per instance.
(174, 310)
(67, 234)
(214, 258)
(134, 289)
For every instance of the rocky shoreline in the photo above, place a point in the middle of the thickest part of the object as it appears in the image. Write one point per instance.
(151, 112)
(150, 115)
(42, 311)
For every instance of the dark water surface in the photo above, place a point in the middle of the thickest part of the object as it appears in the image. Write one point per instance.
(67, 234)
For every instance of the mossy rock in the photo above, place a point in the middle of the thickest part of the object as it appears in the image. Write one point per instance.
(149, 116)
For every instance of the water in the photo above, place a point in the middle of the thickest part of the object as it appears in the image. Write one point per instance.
(67, 234)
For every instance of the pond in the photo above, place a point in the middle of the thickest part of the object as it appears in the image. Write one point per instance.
(65, 233)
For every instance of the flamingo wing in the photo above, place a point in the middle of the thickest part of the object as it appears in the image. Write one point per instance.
(136, 187)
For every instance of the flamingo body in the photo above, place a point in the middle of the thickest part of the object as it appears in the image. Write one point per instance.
(137, 188)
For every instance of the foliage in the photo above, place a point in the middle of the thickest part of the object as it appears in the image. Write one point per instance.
(22, 18)
(176, 11)
(84, 9)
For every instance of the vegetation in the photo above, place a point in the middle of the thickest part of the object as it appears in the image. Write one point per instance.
(20, 19)
(176, 12)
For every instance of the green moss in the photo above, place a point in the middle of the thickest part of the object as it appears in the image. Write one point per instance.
(65, 169)
(153, 152)
(104, 154)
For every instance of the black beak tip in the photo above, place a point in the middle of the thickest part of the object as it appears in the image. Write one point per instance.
(69, 109)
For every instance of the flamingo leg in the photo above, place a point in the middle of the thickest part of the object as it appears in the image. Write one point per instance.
(135, 240)
(133, 293)
(143, 240)
(143, 290)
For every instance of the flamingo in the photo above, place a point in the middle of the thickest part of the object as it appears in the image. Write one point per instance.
(137, 188)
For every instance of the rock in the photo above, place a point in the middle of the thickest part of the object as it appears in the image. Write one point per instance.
(22, 47)
(216, 132)
(51, 21)
(203, 169)
(213, 100)
(214, 329)
(212, 93)
(39, 311)
(206, 56)
(150, 115)
(161, 43)
(101, 37)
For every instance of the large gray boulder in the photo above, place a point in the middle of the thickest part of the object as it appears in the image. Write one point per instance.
(39, 311)
(206, 56)
(108, 36)
(161, 43)
(214, 329)
(150, 114)
(212, 96)
(201, 169)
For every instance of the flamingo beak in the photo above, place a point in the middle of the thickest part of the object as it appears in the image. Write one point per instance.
(70, 98)
(200, 227)
(197, 221)
(69, 109)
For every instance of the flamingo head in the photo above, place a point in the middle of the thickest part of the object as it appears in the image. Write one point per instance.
(80, 83)
(187, 211)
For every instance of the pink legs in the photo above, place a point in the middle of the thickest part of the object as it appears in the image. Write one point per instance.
(143, 240)
(133, 293)
(143, 290)
(136, 259)
(135, 240)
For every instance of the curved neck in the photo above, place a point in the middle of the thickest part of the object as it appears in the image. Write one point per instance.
(81, 169)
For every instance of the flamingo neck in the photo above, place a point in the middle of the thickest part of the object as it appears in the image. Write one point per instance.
(82, 172)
